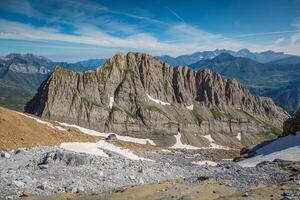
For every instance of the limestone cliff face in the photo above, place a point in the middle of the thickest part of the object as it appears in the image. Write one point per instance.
(139, 95)
(292, 125)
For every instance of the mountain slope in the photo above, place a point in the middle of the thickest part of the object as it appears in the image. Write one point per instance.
(14, 95)
(139, 95)
(31, 131)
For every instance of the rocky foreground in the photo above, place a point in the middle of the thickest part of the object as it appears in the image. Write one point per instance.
(48, 171)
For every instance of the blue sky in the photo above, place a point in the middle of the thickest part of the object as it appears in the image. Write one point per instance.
(69, 30)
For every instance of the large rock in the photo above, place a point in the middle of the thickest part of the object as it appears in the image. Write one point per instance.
(138, 95)
(292, 125)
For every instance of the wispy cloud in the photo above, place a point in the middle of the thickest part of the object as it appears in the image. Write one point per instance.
(97, 25)
(175, 14)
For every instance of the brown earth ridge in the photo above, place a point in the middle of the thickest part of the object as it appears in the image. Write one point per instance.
(197, 103)
(18, 130)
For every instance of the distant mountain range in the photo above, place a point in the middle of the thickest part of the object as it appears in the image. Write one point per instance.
(263, 57)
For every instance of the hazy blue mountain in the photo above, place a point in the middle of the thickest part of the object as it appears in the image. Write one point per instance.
(192, 58)
(92, 63)
(263, 57)
(288, 60)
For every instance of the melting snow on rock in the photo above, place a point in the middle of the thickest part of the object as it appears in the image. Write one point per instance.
(212, 144)
(111, 102)
(239, 136)
(158, 101)
(180, 145)
(191, 107)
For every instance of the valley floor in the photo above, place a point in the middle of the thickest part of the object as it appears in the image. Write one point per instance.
(61, 174)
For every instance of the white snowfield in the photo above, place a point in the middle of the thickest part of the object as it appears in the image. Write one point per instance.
(84, 147)
(96, 149)
(119, 137)
(191, 107)
(158, 101)
(284, 148)
(239, 136)
(111, 102)
(180, 145)
(205, 162)
(43, 122)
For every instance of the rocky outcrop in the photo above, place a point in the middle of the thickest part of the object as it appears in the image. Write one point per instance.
(292, 125)
(139, 95)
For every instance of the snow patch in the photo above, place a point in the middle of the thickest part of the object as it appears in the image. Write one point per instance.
(84, 147)
(212, 144)
(205, 162)
(179, 145)
(284, 148)
(210, 139)
(119, 137)
(135, 140)
(43, 122)
(191, 107)
(157, 101)
(124, 152)
(96, 149)
(111, 102)
(239, 136)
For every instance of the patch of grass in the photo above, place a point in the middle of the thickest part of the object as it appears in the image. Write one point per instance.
(217, 114)
(130, 114)
(274, 130)
(268, 135)
(116, 108)
(198, 118)
(155, 108)
(93, 103)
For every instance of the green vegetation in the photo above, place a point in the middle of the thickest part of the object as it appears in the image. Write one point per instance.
(198, 118)
(155, 108)
(94, 103)
(114, 108)
(274, 130)
(217, 114)
(130, 114)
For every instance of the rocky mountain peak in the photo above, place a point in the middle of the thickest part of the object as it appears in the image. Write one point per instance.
(139, 94)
